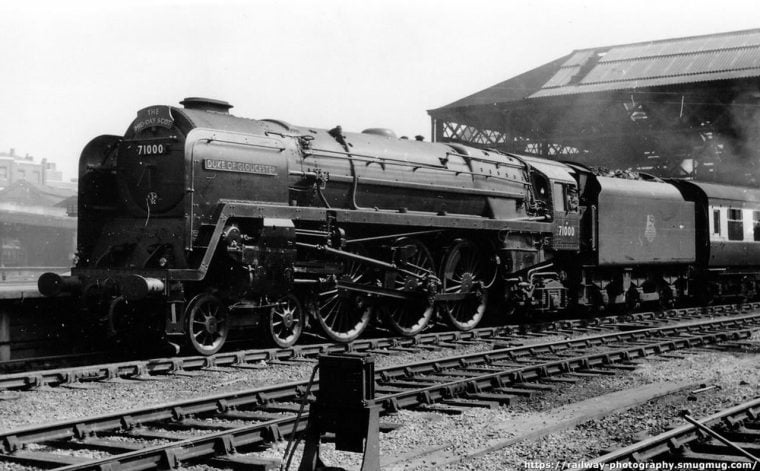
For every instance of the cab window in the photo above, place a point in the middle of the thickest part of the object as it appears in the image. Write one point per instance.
(559, 197)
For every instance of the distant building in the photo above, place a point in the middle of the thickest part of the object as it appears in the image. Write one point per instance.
(37, 232)
(15, 167)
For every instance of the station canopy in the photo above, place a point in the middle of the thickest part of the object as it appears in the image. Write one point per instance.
(685, 107)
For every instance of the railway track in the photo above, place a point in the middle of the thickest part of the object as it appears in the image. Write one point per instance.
(227, 429)
(34, 377)
(695, 442)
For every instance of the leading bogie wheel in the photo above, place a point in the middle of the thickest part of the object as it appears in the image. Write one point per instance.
(465, 272)
(121, 317)
(284, 323)
(206, 324)
(343, 314)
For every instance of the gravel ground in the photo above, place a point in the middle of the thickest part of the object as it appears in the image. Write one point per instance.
(86, 399)
(82, 400)
(737, 374)
(420, 430)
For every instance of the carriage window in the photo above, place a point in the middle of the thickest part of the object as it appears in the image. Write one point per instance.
(735, 225)
(756, 224)
(716, 222)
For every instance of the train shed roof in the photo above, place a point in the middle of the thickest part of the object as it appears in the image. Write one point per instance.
(724, 56)
(682, 107)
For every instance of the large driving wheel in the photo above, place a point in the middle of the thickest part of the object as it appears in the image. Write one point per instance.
(464, 272)
(206, 326)
(344, 314)
(284, 323)
(409, 317)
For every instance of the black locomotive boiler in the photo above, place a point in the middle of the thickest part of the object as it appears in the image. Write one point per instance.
(197, 222)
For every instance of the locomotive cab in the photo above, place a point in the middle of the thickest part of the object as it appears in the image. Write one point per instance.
(556, 189)
(541, 282)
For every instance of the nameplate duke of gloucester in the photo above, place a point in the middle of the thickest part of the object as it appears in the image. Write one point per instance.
(240, 167)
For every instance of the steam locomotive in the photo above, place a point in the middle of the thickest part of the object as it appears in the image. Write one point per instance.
(196, 222)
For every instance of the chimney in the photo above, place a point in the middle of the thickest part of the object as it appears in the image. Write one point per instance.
(43, 171)
(206, 104)
(13, 152)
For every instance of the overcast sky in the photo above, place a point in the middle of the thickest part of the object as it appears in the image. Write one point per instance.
(71, 70)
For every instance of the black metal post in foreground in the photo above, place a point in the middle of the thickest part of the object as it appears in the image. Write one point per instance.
(345, 406)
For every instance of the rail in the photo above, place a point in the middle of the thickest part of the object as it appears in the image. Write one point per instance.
(493, 370)
(678, 439)
(16, 374)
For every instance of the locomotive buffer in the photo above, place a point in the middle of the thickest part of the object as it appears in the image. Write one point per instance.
(345, 406)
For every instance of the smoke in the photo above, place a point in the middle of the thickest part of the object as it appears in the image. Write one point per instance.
(709, 132)
(665, 132)
(741, 153)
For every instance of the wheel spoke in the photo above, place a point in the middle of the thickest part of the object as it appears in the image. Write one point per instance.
(339, 314)
(331, 311)
(284, 322)
(204, 311)
(464, 275)
(325, 305)
(472, 263)
(344, 321)
(411, 316)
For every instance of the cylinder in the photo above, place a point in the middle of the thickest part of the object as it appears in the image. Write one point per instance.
(136, 287)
